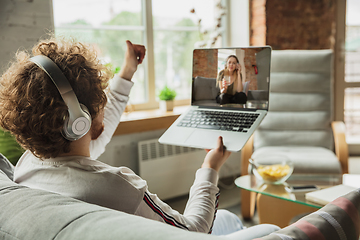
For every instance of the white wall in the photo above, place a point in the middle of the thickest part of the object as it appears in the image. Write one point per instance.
(122, 151)
(238, 23)
(22, 24)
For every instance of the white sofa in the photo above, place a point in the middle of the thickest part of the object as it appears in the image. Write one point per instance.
(33, 214)
(36, 215)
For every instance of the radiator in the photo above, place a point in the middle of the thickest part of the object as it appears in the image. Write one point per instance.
(169, 170)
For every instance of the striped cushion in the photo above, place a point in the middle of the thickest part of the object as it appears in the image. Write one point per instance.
(339, 219)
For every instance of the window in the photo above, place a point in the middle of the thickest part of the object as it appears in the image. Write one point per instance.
(169, 30)
(352, 72)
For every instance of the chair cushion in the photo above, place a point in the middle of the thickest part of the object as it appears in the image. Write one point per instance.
(300, 100)
(339, 219)
(307, 160)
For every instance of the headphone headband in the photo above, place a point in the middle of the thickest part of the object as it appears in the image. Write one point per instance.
(79, 121)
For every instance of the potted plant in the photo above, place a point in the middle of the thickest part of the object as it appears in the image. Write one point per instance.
(166, 97)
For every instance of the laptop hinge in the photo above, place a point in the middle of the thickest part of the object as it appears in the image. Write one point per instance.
(229, 108)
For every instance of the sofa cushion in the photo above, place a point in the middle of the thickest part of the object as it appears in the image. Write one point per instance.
(205, 89)
(339, 219)
(260, 95)
(107, 225)
(36, 214)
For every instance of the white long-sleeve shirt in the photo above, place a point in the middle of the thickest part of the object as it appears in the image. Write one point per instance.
(119, 188)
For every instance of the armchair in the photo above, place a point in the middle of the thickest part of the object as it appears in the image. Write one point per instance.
(299, 122)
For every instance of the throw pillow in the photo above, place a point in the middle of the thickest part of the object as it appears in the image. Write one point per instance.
(339, 219)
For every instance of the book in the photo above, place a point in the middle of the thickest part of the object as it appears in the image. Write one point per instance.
(326, 195)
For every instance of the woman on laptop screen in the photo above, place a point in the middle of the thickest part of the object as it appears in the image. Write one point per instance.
(229, 80)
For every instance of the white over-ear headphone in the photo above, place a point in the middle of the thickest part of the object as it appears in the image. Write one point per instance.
(78, 123)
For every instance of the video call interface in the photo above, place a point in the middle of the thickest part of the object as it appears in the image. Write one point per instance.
(231, 77)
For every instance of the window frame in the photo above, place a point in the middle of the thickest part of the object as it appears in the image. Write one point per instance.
(340, 85)
(150, 58)
(147, 30)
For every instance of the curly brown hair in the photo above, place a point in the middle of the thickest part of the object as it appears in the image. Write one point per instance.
(31, 107)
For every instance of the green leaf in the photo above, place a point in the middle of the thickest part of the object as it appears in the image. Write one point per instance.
(167, 94)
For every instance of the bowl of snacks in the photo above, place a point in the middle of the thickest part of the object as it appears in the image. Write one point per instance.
(276, 172)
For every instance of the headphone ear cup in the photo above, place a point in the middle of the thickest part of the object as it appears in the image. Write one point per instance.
(86, 111)
(79, 127)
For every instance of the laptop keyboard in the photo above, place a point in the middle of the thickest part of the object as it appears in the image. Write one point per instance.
(217, 120)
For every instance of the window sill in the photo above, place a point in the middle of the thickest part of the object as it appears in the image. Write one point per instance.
(149, 120)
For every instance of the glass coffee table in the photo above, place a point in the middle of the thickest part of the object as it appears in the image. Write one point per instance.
(277, 205)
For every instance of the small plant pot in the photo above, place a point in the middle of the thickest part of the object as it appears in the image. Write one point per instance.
(166, 105)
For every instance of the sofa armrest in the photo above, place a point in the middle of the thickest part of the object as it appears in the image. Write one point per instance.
(341, 147)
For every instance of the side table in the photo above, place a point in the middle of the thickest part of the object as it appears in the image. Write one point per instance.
(275, 204)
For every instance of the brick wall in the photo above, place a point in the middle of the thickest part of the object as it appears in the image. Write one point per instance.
(206, 68)
(22, 24)
(293, 24)
(257, 22)
(250, 61)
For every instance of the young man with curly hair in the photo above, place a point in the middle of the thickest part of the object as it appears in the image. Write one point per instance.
(33, 110)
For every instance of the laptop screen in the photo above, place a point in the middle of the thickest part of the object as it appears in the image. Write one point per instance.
(231, 78)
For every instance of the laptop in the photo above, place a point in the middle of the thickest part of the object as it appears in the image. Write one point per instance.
(211, 116)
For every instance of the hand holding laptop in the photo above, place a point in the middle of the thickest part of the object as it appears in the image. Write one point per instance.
(216, 157)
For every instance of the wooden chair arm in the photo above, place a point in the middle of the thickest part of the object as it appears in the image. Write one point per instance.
(246, 153)
(248, 198)
(341, 147)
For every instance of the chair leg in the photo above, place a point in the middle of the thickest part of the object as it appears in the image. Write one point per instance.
(248, 200)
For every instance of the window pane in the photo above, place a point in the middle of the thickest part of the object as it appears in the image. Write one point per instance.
(173, 61)
(352, 60)
(106, 25)
(352, 114)
(352, 42)
(176, 31)
(352, 71)
(170, 13)
(95, 12)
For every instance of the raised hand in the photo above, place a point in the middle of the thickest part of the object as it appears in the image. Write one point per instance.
(134, 56)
